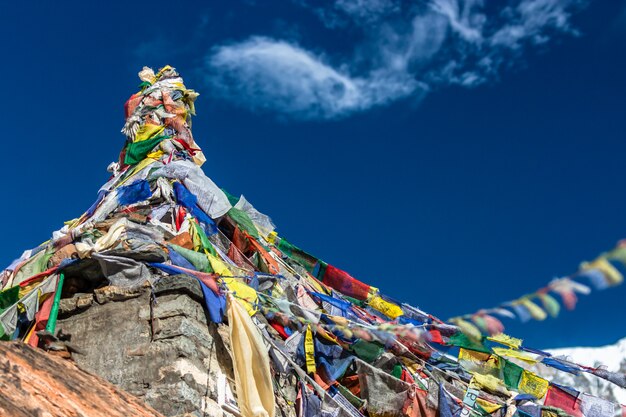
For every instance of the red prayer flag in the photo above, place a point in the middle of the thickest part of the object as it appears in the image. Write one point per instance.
(344, 283)
(559, 398)
(435, 336)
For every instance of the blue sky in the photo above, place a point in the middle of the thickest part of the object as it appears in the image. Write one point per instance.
(455, 154)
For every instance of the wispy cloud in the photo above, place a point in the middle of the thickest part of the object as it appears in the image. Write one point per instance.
(405, 50)
(268, 74)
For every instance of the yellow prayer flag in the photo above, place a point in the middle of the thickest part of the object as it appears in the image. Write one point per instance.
(535, 311)
(372, 292)
(161, 71)
(479, 362)
(488, 406)
(610, 272)
(410, 364)
(26, 289)
(271, 238)
(511, 353)
(218, 266)
(316, 285)
(246, 294)
(489, 383)
(195, 239)
(472, 355)
(309, 350)
(146, 131)
(619, 254)
(156, 155)
(533, 385)
(506, 340)
(71, 223)
(388, 309)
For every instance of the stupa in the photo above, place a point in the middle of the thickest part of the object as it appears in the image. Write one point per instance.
(186, 297)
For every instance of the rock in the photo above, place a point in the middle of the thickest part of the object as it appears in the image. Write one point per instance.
(34, 383)
(111, 293)
(156, 343)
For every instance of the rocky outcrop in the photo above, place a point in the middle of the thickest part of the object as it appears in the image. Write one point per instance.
(34, 383)
(156, 343)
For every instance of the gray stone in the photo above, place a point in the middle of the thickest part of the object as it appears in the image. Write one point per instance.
(156, 343)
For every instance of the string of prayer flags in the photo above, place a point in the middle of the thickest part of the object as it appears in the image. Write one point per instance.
(601, 273)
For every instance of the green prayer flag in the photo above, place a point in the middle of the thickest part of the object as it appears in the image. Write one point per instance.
(356, 302)
(397, 371)
(231, 198)
(137, 151)
(244, 221)
(9, 297)
(460, 339)
(368, 351)
(197, 259)
(204, 240)
(550, 304)
(307, 261)
(512, 374)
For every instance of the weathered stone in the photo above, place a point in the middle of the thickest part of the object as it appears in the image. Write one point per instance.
(179, 284)
(84, 301)
(180, 326)
(67, 306)
(156, 343)
(171, 305)
(78, 302)
(111, 293)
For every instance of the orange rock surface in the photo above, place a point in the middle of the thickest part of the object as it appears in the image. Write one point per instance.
(34, 383)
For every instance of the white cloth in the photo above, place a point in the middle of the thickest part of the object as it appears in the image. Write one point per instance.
(210, 197)
(596, 407)
(251, 363)
(262, 222)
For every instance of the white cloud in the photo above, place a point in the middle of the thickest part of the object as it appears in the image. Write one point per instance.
(532, 20)
(266, 74)
(463, 16)
(367, 10)
(405, 50)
